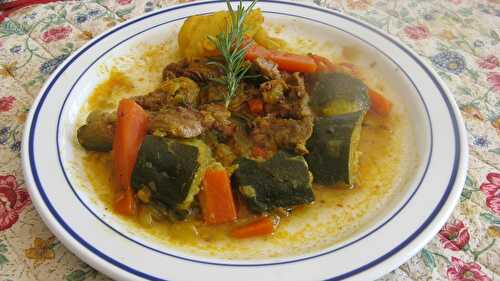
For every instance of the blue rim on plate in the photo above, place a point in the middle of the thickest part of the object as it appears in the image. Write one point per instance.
(118, 264)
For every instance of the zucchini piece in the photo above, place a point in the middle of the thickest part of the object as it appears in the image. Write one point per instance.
(333, 146)
(282, 181)
(338, 93)
(170, 169)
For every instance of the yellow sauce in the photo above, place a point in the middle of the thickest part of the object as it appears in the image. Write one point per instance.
(335, 215)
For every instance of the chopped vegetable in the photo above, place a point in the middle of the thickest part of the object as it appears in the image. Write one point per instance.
(380, 104)
(169, 168)
(97, 133)
(324, 64)
(333, 155)
(256, 106)
(131, 127)
(282, 181)
(262, 226)
(338, 93)
(216, 197)
(286, 61)
(125, 203)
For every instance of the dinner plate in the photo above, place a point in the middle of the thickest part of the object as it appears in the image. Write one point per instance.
(413, 216)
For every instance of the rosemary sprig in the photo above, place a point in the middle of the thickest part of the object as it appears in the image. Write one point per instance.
(232, 49)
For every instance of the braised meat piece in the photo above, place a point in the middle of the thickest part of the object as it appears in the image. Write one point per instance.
(286, 98)
(268, 68)
(176, 122)
(273, 133)
(216, 116)
(180, 91)
(197, 69)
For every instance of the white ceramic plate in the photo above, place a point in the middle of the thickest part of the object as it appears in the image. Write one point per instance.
(415, 215)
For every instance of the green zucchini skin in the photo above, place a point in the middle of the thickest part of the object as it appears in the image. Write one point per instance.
(167, 167)
(348, 93)
(330, 148)
(282, 181)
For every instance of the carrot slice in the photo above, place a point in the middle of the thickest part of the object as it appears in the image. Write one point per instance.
(262, 226)
(293, 62)
(285, 61)
(324, 64)
(380, 104)
(131, 127)
(256, 106)
(125, 204)
(216, 197)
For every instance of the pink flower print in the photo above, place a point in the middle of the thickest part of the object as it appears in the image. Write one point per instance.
(494, 79)
(455, 2)
(123, 2)
(56, 33)
(13, 199)
(490, 62)
(461, 271)
(492, 191)
(417, 32)
(6, 103)
(454, 236)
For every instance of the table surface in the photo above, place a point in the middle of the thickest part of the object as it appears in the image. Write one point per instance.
(459, 38)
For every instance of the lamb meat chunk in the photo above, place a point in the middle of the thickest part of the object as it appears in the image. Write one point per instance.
(268, 68)
(273, 91)
(216, 116)
(274, 133)
(177, 91)
(176, 122)
(295, 101)
(197, 69)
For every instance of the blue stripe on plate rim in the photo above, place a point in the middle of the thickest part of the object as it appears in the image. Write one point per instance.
(118, 264)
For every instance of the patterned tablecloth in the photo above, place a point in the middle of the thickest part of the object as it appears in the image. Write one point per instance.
(460, 38)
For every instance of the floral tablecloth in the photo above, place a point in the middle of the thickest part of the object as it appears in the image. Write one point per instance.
(460, 38)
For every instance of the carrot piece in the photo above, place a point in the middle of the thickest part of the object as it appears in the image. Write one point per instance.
(324, 64)
(125, 204)
(380, 104)
(262, 226)
(216, 197)
(257, 51)
(258, 152)
(285, 61)
(256, 106)
(131, 127)
(293, 62)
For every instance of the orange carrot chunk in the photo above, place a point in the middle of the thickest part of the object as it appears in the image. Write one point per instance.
(380, 104)
(262, 226)
(285, 61)
(131, 127)
(323, 64)
(256, 106)
(125, 203)
(216, 197)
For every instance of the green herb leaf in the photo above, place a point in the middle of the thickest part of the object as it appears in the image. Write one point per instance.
(232, 49)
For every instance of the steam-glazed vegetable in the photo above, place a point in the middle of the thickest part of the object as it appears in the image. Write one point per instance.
(333, 155)
(170, 169)
(97, 134)
(282, 181)
(338, 93)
